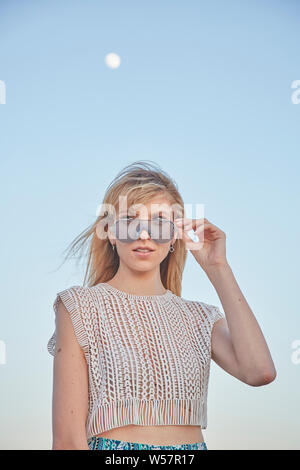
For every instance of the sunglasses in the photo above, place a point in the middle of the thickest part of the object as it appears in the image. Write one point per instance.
(128, 230)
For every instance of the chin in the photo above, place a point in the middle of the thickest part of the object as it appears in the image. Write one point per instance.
(141, 265)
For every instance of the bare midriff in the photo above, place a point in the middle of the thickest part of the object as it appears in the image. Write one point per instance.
(156, 435)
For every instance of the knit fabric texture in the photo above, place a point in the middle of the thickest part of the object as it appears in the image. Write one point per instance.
(148, 356)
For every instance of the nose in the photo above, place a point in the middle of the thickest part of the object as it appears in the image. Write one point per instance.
(144, 235)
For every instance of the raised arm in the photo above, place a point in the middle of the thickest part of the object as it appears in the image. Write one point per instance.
(70, 387)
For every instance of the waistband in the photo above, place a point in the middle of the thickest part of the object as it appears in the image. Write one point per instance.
(104, 443)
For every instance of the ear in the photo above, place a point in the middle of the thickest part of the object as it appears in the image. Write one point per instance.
(173, 240)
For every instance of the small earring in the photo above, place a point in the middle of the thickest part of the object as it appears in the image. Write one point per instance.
(113, 247)
(172, 249)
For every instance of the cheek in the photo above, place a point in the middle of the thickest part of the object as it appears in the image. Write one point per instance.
(162, 250)
(124, 249)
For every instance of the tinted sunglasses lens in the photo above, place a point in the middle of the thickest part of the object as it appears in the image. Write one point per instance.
(126, 230)
(162, 231)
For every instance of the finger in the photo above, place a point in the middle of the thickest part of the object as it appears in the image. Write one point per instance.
(188, 221)
(191, 244)
(198, 227)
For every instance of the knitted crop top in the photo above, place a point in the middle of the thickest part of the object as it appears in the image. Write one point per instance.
(148, 356)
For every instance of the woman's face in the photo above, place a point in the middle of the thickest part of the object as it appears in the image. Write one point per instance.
(157, 207)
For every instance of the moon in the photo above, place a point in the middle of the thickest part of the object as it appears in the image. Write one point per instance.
(112, 60)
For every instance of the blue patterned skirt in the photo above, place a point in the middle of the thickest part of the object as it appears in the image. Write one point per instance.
(103, 443)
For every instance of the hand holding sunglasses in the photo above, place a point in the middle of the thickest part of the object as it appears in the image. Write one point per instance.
(210, 250)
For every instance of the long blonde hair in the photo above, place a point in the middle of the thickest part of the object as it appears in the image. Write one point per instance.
(139, 182)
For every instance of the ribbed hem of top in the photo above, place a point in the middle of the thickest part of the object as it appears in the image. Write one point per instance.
(146, 413)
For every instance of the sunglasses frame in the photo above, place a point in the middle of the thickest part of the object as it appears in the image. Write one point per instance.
(144, 223)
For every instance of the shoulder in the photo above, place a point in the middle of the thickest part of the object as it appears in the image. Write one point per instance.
(206, 311)
(74, 299)
(69, 303)
(194, 304)
(211, 312)
(75, 292)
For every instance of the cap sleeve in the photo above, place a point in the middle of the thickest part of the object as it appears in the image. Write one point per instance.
(213, 312)
(72, 300)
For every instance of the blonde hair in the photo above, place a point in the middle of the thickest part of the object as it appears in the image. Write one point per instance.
(139, 182)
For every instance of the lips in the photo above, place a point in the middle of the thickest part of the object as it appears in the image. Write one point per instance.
(143, 248)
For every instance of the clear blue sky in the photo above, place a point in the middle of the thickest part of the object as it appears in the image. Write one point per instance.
(204, 90)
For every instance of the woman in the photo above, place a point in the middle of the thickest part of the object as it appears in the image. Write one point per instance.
(131, 356)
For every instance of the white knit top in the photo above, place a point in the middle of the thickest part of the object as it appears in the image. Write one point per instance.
(148, 356)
